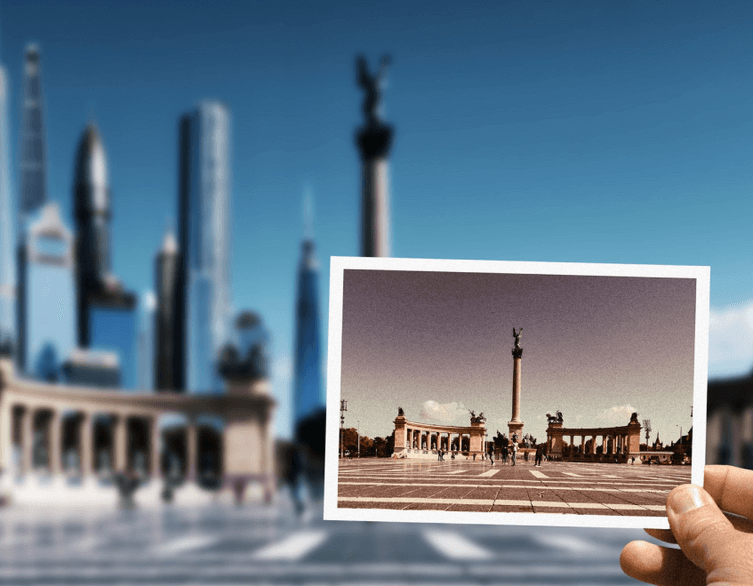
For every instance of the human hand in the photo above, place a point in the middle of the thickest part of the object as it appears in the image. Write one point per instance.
(715, 547)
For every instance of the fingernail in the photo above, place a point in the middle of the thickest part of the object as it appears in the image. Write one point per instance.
(688, 499)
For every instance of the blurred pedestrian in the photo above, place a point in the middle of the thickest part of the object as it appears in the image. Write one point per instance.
(491, 453)
(514, 452)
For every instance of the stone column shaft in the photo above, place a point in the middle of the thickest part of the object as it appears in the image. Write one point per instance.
(27, 439)
(375, 213)
(55, 440)
(516, 390)
(6, 435)
(121, 444)
(155, 447)
(192, 450)
(86, 436)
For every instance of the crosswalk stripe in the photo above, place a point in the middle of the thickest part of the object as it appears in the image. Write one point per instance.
(538, 474)
(458, 472)
(185, 544)
(455, 546)
(489, 473)
(293, 548)
(573, 474)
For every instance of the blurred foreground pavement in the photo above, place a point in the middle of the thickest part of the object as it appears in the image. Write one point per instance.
(254, 544)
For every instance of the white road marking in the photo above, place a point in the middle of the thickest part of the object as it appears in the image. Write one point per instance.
(455, 546)
(458, 472)
(573, 475)
(489, 473)
(499, 502)
(293, 548)
(186, 544)
(538, 474)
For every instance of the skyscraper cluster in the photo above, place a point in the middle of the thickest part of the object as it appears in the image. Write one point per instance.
(73, 320)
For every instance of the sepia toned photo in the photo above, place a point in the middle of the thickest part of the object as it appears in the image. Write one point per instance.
(523, 393)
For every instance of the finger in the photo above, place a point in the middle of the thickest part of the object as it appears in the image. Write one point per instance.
(738, 523)
(730, 487)
(701, 530)
(659, 565)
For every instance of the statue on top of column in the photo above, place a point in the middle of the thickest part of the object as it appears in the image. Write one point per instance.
(517, 335)
(372, 85)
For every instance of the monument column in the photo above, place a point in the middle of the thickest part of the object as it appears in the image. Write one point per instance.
(515, 425)
(374, 141)
(156, 447)
(121, 446)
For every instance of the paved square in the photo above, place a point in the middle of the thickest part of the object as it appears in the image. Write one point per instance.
(555, 487)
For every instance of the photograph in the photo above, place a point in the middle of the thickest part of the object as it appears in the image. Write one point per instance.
(512, 392)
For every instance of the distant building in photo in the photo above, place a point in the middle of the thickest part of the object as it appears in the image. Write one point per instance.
(107, 317)
(204, 237)
(46, 322)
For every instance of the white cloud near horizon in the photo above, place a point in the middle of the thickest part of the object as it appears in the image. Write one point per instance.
(617, 415)
(434, 412)
(731, 340)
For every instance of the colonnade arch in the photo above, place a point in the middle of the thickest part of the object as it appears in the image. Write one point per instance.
(424, 440)
(87, 431)
(609, 443)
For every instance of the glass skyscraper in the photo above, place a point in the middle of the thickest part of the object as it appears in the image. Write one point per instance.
(46, 309)
(7, 276)
(107, 317)
(308, 393)
(204, 309)
(33, 151)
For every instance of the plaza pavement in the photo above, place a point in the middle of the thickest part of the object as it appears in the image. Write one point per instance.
(555, 487)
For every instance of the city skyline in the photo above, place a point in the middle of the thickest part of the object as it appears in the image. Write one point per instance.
(609, 134)
(438, 344)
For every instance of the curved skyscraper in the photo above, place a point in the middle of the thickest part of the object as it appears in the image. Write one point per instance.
(204, 237)
(106, 312)
(33, 151)
(308, 393)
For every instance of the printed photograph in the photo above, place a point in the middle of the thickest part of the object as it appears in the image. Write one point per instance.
(499, 392)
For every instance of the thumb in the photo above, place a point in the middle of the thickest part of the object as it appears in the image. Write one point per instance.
(702, 531)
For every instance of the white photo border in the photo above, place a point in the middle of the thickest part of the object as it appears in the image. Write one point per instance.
(338, 264)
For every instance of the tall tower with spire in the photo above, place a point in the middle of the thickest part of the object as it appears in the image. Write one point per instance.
(167, 373)
(7, 272)
(33, 149)
(308, 393)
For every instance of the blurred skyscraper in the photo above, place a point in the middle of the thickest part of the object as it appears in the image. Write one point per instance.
(204, 237)
(46, 309)
(147, 338)
(106, 312)
(33, 151)
(166, 359)
(308, 393)
(7, 276)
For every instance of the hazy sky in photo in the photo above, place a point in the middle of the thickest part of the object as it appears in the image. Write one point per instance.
(594, 347)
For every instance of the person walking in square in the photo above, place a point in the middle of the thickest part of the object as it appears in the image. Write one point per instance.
(539, 454)
(491, 453)
(514, 452)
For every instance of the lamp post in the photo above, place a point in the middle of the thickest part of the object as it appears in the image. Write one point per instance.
(358, 436)
(343, 409)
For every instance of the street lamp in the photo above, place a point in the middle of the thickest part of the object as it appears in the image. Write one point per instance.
(358, 436)
(343, 409)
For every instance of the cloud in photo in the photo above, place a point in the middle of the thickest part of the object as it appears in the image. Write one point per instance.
(617, 416)
(731, 340)
(448, 413)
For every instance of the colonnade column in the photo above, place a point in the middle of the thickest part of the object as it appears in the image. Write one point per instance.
(156, 445)
(27, 439)
(191, 450)
(86, 433)
(54, 439)
(6, 436)
(120, 444)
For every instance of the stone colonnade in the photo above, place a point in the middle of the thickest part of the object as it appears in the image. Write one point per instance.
(416, 440)
(588, 443)
(41, 424)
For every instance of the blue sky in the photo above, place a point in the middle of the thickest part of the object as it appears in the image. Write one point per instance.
(589, 132)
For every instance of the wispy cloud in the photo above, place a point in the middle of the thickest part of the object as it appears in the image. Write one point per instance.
(731, 340)
(434, 412)
(619, 415)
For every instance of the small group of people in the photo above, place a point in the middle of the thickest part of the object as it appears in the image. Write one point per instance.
(441, 453)
(511, 454)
